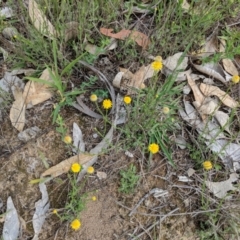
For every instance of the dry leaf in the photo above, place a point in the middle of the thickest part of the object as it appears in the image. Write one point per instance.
(209, 48)
(11, 225)
(209, 90)
(78, 143)
(227, 151)
(40, 214)
(223, 120)
(133, 81)
(71, 31)
(220, 189)
(17, 112)
(93, 49)
(199, 97)
(211, 70)
(35, 92)
(64, 166)
(173, 62)
(140, 38)
(229, 66)
(222, 45)
(41, 23)
(208, 107)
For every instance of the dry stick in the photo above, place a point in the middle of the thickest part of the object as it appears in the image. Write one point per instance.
(138, 204)
(156, 223)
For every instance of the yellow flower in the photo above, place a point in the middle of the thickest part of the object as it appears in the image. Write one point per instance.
(90, 170)
(166, 110)
(67, 139)
(207, 165)
(76, 167)
(157, 65)
(127, 99)
(94, 198)
(93, 97)
(55, 211)
(153, 148)
(107, 103)
(75, 224)
(235, 79)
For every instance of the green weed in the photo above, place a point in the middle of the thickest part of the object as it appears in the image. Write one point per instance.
(129, 179)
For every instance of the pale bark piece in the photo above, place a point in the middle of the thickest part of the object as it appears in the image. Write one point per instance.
(220, 189)
(229, 66)
(207, 69)
(222, 45)
(209, 90)
(35, 92)
(42, 207)
(101, 175)
(71, 30)
(64, 166)
(118, 79)
(40, 21)
(140, 38)
(17, 112)
(12, 224)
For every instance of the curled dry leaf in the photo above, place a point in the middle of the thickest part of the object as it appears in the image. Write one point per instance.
(209, 90)
(71, 30)
(35, 92)
(40, 21)
(125, 79)
(212, 71)
(17, 112)
(220, 189)
(140, 38)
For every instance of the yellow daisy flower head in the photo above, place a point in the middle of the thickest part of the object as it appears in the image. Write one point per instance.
(75, 224)
(90, 170)
(127, 99)
(94, 198)
(67, 139)
(93, 98)
(157, 65)
(166, 110)
(207, 165)
(107, 103)
(235, 79)
(76, 167)
(55, 211)
(153, 148)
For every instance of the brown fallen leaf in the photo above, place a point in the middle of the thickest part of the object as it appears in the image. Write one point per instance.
(140, 38)
(199, 97)
(40, 21)
(35, 92)
(229, 66)
(71, 31)
(125, 79)
(17, 112)
(64, 166)
(209, 90)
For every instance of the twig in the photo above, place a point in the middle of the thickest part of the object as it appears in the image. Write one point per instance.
(156, 223)
(141, 200)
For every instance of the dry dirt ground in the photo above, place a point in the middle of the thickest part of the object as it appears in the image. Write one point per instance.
(108, 217)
